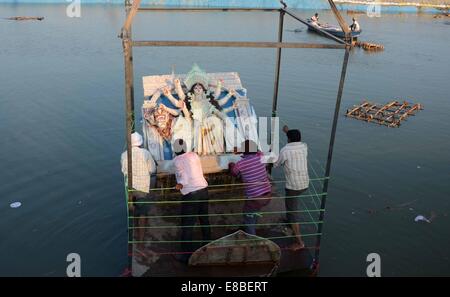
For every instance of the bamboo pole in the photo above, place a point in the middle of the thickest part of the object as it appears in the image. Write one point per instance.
(129, 126)
(207, 9)
(276, 83)
(237, 44)
(345, 27)
(385, 107)
(130, 17)
(350, 112)
(278, 65)
(330, 151)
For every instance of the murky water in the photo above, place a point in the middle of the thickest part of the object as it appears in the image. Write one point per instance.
(62, 127)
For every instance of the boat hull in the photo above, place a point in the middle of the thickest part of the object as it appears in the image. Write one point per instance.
(333, 30)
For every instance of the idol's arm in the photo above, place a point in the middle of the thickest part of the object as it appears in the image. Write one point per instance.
(155, 98)
(225, 99)
(179, 89)
(218, 89)
(231, 108)
(172, 99)
(172, 111)
(186, 113)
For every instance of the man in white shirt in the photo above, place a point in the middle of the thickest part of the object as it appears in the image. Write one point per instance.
(194, 187)
(293, 157)
(355, 25)
(315, 19)
(143, 168)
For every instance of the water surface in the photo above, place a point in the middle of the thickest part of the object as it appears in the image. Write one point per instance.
(62, 126)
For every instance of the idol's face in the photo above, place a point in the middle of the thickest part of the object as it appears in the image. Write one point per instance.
(198, 89)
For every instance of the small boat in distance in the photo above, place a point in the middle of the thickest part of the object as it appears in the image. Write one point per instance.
(334, 30)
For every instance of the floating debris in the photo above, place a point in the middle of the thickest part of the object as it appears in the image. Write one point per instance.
(298, 30)
(407, 203)
(15, 205)
(444, 14)
(420, 218)
(23, 18)
(368, 46)
(390, 114)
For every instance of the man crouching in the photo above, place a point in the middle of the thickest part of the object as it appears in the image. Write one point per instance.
(194, 187)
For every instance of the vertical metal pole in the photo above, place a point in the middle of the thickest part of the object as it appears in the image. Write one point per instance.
(330, 152)
(130, 126)
(278, 65)
(129, 35)
(129, 118)
(277, 79)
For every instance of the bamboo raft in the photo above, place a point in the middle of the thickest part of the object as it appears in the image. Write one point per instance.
(369, 46)
(390, 114)
(24, 18)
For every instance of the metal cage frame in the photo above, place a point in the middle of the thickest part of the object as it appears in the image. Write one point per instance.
(133, 7)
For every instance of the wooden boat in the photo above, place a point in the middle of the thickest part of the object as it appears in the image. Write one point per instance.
(240, 249)
(333, 30)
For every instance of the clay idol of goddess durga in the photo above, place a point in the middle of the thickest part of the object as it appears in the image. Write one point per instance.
(198, 118)
(203, 119)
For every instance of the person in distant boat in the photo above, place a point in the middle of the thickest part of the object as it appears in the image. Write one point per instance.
(355, 25)
(193, 185)
(258, 189)
(315, 19)
(144, 169)
(293, 157)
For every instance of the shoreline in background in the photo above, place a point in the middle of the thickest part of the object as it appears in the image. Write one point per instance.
(427, 6)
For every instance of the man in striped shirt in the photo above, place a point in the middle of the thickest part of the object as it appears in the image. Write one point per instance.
(257, 189)
(293, 157)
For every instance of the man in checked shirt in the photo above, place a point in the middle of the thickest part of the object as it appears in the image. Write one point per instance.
(144, 178)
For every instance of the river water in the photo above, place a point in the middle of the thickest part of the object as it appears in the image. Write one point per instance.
(62, 127)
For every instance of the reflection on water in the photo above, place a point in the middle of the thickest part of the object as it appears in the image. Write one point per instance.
(62, 125)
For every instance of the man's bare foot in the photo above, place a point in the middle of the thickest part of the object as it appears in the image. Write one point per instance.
(297, 246)
(140, 247)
